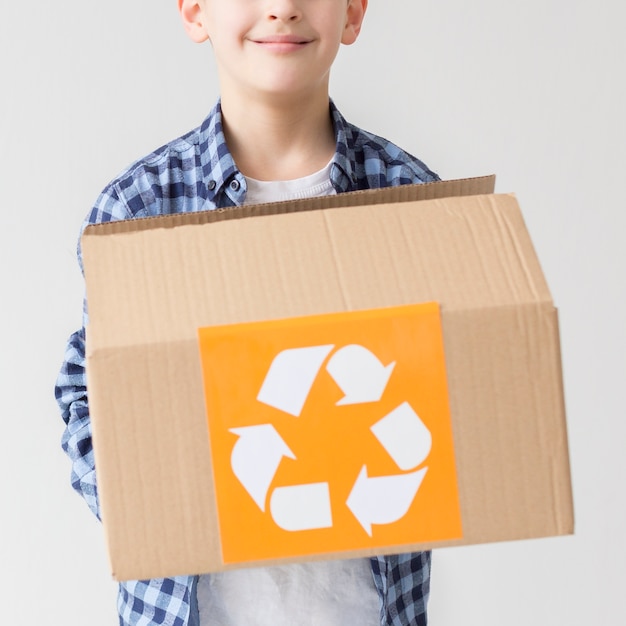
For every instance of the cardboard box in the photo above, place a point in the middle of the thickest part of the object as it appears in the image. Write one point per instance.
(153, 283)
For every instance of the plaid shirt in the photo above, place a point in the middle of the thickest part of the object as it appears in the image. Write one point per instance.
(193, 173)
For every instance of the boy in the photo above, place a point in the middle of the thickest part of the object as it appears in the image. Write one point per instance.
(274, 135)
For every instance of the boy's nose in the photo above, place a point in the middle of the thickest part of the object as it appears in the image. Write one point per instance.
(284, 10)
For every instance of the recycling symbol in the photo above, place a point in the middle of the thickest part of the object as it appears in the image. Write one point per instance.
(259, 449)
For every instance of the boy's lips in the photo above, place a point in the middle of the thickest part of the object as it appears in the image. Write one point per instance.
(282, 43)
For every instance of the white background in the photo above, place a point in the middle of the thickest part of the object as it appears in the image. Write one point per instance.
(533, 91)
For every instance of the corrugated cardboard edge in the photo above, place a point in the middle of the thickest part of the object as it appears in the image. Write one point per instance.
(403, 193)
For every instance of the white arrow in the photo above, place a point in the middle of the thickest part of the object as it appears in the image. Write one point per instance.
(405, 437)
(302, 507)
(255, 458)
(291, 376)
(359, 374)
(383, 499)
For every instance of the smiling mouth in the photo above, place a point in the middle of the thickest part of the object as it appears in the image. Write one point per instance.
(282, 39)
(282, 43)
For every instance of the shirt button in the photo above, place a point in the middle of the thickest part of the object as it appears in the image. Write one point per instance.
(234, 185)
(212, 184)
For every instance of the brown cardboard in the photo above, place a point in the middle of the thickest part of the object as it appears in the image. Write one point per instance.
(152, 283)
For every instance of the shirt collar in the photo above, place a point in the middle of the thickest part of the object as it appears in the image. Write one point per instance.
(221, 174)
(342, 174)
(218, 166)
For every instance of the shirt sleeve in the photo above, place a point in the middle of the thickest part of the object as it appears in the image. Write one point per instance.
(71, 383)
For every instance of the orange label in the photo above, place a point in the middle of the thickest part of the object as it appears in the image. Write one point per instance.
(330, 433)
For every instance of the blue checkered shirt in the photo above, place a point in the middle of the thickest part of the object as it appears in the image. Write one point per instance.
(195, 173)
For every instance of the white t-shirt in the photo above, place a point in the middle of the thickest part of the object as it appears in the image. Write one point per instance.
(321, 593)
(317, 184)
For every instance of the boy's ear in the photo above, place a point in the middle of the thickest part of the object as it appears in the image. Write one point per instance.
(193, 20)
(354, 20)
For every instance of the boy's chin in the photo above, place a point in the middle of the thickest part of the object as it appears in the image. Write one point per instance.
(284, 89)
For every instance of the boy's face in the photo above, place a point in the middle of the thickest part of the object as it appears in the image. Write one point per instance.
(277, 47)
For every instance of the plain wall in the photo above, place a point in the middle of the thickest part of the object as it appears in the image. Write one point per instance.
(533, 91)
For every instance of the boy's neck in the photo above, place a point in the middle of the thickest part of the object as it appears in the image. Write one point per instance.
(272, 139)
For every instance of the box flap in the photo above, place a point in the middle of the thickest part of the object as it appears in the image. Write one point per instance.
(471, 252)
